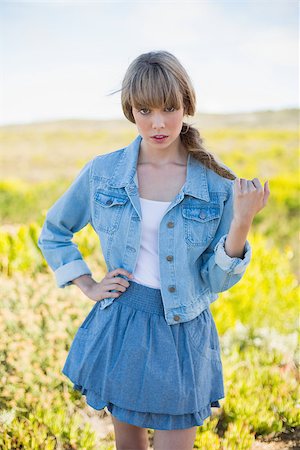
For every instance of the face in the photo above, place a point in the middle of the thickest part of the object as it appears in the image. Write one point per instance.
(164, 121)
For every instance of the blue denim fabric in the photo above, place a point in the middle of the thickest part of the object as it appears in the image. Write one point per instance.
(193, 230)
(127, 358)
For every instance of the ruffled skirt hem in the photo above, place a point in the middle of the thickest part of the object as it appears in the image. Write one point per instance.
(155, 421)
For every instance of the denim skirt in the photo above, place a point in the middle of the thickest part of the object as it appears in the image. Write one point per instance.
(147, 373)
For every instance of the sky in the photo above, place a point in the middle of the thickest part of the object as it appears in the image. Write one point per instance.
(62, 59)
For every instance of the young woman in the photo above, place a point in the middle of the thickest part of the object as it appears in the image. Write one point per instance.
(173, 225)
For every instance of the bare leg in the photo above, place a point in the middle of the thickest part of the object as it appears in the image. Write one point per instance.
(174, 439)
(129, 437)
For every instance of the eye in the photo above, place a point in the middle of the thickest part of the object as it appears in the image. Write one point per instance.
(171, 107)
(143, 109)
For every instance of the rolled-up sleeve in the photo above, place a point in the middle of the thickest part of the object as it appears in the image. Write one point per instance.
(218, 270)
(69, 214)
(230, 264)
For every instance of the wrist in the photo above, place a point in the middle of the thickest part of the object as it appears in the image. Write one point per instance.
(242, 223)
(84, 282)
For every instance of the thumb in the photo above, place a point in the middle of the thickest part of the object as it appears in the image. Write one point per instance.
(266, 192)
(267, 188)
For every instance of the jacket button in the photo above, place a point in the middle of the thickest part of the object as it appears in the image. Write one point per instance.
(170, 224)
(202, 215)
(169, 258)
(176, 318)
(172, 288)
(109, 202)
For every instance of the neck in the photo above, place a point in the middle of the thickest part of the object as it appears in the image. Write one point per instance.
(175, 153)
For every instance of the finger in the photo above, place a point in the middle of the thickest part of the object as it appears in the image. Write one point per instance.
(120, 280)
(113, 286)
(267, 187)
(243, 183)
(257, 183)
(113, 294)
(237, 186)
(266, 192)
(250, 186)
(118, 271)
(116, 286)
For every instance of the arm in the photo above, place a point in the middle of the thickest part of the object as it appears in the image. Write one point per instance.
(225, 261)
(236, 239)
(69, 214)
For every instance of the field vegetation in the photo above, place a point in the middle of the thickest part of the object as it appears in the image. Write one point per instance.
(257, 320)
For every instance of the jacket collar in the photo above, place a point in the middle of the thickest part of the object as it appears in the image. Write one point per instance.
(196, 179)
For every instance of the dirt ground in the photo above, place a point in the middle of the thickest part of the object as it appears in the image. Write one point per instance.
(285, 441)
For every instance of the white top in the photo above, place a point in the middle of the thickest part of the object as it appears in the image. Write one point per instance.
(147, 268)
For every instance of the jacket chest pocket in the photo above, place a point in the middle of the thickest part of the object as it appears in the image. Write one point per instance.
(200, 223)
(108, 210)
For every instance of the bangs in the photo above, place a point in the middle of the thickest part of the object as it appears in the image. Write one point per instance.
(153, 87)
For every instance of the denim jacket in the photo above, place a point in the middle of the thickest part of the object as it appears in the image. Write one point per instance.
(193, 264)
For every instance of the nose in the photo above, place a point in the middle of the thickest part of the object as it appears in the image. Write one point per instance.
(158, 121)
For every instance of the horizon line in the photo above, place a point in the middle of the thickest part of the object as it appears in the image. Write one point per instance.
(110, 119)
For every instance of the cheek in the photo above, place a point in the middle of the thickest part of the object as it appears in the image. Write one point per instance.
(137, 119)
(144, 125)
(141, 124)
(176, 121)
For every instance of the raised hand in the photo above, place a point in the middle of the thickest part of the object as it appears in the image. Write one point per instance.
(250, 197)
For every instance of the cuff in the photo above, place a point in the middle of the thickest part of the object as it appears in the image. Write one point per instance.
(230, 264)
(68, 272)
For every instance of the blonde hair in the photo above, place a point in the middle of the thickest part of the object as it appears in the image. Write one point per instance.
(158, 80)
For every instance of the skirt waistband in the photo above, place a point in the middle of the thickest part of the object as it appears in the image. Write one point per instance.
(143, 298)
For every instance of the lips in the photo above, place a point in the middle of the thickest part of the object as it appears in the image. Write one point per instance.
(159, 137)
